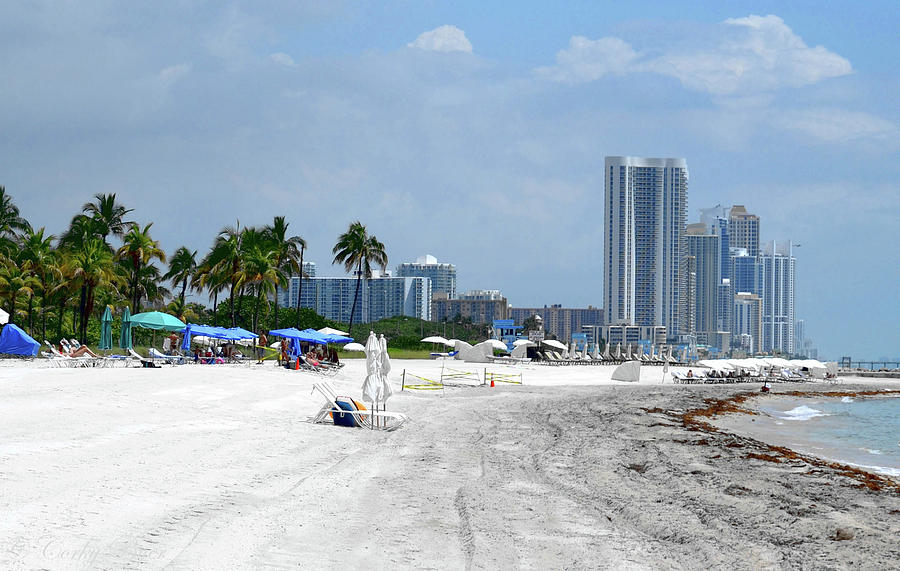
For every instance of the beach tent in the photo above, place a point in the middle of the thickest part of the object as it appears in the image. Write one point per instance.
(14, 341)
(157, 320)
(629, 372)
(477, 354)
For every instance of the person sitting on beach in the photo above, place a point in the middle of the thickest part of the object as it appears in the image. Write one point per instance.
(83, 350)
(690, 374)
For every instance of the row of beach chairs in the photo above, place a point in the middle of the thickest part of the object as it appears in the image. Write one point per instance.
(554, 358)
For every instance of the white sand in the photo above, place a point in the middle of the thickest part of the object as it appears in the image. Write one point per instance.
(216, 467)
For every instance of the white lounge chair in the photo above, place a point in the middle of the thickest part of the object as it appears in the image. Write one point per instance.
(175, 359)
(365, 418)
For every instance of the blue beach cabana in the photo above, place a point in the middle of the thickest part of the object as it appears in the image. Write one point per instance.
(14, 341)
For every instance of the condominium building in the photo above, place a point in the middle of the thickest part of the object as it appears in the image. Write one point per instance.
(558, 320)
(379, 297)
(746, 272)
(747, 322)
(778, 272)
(442, 275)
(287, 297)
(480, 306)
(703, 248)
(645, 210)
(743, 230)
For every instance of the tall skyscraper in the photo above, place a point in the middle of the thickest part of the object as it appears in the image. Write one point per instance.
(743, 230)
(778, 269)
(704, 248)
(442, 275)
(645, 209)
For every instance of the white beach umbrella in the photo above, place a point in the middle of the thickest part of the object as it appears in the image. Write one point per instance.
(497, 344)
(354, 347)
(371, 384)
(526, 342)
(555, 344)
(618, 352)
(606, 352)
(332, 331)
(4, 317)
(596, 353)
(437, 339)
(385, 390)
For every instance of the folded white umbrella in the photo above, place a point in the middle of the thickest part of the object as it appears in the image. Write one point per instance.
(371, 383)
(385, 391)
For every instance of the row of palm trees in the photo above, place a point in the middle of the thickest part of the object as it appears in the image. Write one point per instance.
(68, 280)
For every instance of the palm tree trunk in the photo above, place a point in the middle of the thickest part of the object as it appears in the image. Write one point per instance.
(216, 308)
(233, 287)
(76, 324)
(276, 301)
(183, 289)
(30, 314)
(355, 296)
(256, 308)
(300, 289)
(62, 311)
(12, 306)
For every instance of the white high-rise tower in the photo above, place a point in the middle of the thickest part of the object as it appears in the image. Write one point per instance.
(644, 245)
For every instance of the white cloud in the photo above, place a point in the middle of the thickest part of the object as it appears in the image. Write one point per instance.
(755, 54)
(171, 74)
(282, 58)
(587, 60)
(833, 125)
(443, 39)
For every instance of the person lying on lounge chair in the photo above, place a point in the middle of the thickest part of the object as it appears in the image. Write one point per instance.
(83, 350)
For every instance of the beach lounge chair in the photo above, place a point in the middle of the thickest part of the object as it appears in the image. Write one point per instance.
(344, 407)
(145, 362)
(174, 359)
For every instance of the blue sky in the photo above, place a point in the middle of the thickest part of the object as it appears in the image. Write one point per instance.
(471, 131)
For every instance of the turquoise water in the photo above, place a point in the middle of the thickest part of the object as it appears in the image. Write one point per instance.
(863, 432)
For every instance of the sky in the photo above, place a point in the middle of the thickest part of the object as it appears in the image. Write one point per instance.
(471, 131)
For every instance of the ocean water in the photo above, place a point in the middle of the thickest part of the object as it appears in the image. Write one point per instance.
(863, 432)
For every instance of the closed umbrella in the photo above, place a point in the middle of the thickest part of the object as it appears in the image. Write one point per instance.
(371, 384)
(125, 336)
(385, 369)
(106, 330)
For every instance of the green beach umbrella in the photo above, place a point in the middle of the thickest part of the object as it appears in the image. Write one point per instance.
(106, 330)
(125, 337)
(157, 320)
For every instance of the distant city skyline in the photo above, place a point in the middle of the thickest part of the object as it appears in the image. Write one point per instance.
(471, 131)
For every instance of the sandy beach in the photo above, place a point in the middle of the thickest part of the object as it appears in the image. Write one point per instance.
(217, 467)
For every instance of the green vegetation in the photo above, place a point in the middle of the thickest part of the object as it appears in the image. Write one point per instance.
(56, 287)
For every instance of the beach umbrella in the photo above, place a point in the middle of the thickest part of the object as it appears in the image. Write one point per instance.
(497, 344)
(125, 335)
(371, 384)
(618, 352)
(555, 344)
(436, 339)
(186, 340)
(353, 347)
(157, 320)
(105, 331)
(332, 331)
(4, 317)
(384, 369)
(526, 342)
(595, 354)
(606, 352)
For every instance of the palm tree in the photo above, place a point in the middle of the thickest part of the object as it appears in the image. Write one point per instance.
(139, 248)
(108, 215)
(11, 223)
(356, 250)
(92, 267)
(16, 280)
(261, 270)
(37, 251)
(182, 266)
(286, 253)
(226, 258)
